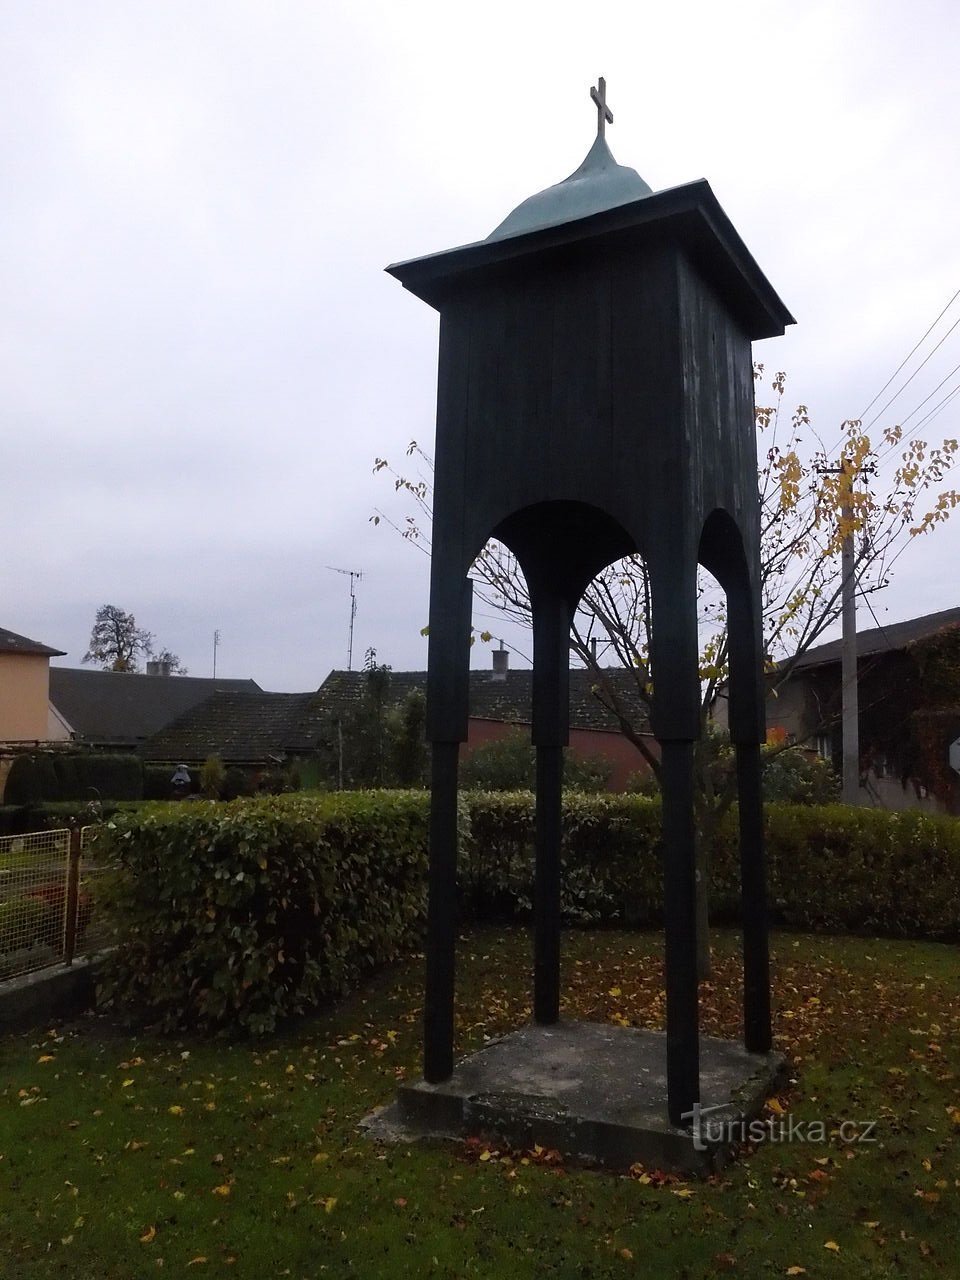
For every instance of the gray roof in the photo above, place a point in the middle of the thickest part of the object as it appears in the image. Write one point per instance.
(600, 183)
(10, 642)
(121, 708)
(240, 727)
(886, 639)
(508, 700)
(245, 727)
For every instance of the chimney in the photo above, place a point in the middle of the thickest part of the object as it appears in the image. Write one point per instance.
(164, 667)
(501, 663)
(153, 667)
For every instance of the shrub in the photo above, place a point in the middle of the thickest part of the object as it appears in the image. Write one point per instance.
(212, 775)
(114, 777)
(67, 775)
(239, 915)
(156, 781)
(795, 776)
(235, 783)
(49, 777)
(509, 764)
(590, 773)
(23, 782)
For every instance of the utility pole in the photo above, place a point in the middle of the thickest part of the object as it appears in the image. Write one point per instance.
(354, 575)
(849, 686)
(216, 646)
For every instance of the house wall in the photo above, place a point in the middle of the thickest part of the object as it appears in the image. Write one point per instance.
(621, 754)
(58, 730)
(24, 697)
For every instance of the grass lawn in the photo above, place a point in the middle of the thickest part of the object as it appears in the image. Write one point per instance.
(134, 1155)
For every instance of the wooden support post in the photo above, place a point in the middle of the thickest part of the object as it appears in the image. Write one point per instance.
(680, 913)
(441, 915)
(546, 895)
(71, 897)
(753, 893)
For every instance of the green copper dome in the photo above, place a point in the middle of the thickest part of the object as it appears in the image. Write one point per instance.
(600, 183)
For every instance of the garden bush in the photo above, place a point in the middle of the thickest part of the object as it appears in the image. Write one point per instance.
(509, 764)
(237, 915)
(23, 782)
(156, 781)
(47, 777)
(114, 777)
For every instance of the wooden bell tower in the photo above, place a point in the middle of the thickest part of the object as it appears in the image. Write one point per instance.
(595, 400)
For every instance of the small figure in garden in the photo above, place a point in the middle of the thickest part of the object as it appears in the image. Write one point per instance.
(180, 782)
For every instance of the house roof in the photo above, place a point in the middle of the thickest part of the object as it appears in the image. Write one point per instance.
(886, 639)
(252, 727)
(10, 642)
(509, 700)
(238, 725)
(121, 708)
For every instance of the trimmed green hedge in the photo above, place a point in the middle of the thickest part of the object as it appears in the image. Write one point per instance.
(239, 915)
(48, 777)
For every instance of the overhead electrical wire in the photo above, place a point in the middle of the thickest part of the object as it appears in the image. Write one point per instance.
(913, 375)
(903, 363)
(909, 354)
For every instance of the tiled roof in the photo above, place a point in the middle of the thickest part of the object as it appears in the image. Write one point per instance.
(253, 727)
(247, 727)
(10, 642)
(886, 639)
(508, 700)
(119, 707)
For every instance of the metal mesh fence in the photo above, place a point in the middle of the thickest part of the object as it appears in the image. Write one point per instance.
(49, 886)
(34, 872)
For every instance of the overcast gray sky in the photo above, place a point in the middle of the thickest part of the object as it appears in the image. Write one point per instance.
(200, 355)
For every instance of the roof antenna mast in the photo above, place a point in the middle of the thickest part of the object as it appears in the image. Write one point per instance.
(354, 575)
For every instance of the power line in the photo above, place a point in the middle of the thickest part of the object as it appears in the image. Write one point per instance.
(913, 375)
(907, 357)
(926, 418)
(899, 369)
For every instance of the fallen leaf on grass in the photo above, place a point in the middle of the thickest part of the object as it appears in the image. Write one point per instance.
(223, 1190)
(149, 1235)
(796, 1271)
(832, 1246)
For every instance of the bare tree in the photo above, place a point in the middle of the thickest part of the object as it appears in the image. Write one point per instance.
(117, 643)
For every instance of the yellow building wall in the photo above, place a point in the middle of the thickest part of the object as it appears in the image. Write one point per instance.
(24, 696)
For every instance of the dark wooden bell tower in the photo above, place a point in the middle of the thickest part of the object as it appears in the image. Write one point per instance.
(596, 399)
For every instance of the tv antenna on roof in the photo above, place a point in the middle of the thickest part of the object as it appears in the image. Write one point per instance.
(354, 575)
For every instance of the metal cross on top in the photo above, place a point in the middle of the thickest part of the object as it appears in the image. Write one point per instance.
(604, 114)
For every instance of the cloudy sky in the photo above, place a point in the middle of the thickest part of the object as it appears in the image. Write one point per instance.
(200, 354)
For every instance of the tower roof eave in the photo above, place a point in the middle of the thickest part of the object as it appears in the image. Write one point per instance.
(689, 214)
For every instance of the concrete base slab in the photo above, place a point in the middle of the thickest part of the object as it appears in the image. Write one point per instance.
(595, 1093)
